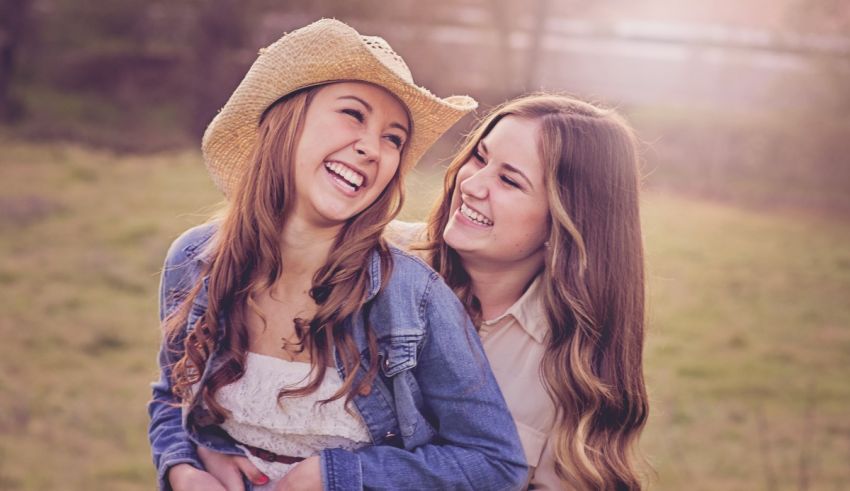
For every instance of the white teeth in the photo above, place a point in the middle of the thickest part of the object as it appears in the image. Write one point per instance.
(351, 177)
(474, 215)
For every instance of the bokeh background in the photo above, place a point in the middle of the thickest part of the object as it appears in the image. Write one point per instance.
(743, 107)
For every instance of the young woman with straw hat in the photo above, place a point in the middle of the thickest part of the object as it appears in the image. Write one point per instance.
(538, 233)
(294, 337)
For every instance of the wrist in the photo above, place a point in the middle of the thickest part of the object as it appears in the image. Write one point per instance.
(179, 472)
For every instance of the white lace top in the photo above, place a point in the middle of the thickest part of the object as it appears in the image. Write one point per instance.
(298, 426)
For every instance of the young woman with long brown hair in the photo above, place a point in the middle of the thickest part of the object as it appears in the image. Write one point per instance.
(294, 337)
(538, 233)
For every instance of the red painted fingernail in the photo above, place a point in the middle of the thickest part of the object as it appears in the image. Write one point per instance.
(262, 480)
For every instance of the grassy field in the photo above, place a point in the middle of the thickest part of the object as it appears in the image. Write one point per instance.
(748, 354)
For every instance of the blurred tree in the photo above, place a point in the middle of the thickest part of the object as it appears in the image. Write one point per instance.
(13, 17)
(535, 46)
(504, 24)
(517, 68)
(829, 20)
(222, 30)
(124, 48)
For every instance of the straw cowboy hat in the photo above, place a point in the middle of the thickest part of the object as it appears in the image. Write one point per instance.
(324, 51)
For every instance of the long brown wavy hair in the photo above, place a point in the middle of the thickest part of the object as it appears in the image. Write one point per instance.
(593, 291)
(246, 260)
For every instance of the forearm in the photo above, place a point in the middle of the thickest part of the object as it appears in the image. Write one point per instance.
(170, 443)
(430, 466)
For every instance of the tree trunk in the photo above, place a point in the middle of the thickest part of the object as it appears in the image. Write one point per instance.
(538, 30)
(222, 29)
(13, 15)
(503, 68)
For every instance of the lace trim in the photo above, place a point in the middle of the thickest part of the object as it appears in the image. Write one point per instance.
(297, 426)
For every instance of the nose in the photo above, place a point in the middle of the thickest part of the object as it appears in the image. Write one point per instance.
(475, 184)
(368, 146)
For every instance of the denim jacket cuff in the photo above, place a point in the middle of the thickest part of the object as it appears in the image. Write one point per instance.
(341, 470)
(172, 459)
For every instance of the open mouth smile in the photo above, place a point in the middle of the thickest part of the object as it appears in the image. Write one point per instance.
(474, 215)
(345, 174)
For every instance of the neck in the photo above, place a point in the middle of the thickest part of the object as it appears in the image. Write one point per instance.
(497, 285)
(304, 247)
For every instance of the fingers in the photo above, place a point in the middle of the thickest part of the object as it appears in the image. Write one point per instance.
(229, 469)
(184, 477)
(231, 478)
(223, 467)
(250, 470)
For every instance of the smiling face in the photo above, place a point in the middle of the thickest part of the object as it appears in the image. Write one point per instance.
(499, 212)
(349, 150)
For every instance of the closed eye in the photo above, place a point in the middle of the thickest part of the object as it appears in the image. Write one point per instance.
(476, 154)
(396, 140)
(355, 113)
(510, 182)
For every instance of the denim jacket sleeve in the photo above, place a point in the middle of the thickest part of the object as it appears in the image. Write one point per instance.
(170, 444)
(476, 445)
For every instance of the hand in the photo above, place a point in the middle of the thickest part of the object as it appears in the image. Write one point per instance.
(185, 477)
(304, 476)
(228, 469)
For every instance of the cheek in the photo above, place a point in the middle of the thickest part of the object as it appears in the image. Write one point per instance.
(302, 154)
(526, 226)
(386, 174)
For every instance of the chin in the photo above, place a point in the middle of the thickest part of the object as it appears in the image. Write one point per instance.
(337, 209)
(450, 236)
(454, 239)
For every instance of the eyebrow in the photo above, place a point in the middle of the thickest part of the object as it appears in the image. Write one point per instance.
(370, 110)
(509, 167)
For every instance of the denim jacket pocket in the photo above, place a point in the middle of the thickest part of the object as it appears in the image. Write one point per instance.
(399, 353)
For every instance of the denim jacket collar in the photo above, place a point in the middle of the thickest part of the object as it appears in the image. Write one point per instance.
(202, 250)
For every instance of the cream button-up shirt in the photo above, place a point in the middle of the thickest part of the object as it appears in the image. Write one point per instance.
(514, 343)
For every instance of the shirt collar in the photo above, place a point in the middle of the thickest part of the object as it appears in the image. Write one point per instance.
(528, 311)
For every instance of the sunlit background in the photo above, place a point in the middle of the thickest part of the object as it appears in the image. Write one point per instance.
(743, 109)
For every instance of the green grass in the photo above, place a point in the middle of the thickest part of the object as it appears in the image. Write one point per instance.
(749, 347)
(747, 360)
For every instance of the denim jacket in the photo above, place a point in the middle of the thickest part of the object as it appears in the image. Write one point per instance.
(435, 415)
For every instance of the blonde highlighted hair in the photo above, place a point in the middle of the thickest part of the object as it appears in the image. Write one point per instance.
(594, 288)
